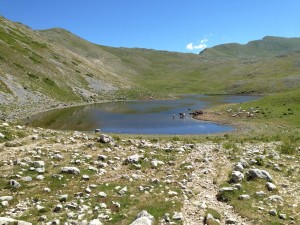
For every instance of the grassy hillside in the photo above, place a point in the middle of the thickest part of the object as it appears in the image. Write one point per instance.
(267, 47)
(34, 70)
(191, 73)
(247, 70)
(54, 66)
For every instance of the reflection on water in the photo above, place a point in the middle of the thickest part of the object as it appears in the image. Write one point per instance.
(139, 117)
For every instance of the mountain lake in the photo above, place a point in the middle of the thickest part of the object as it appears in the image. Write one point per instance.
(139, 117)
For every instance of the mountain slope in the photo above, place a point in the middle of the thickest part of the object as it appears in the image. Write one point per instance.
(267, 47)
(49, 67)
(34, 70)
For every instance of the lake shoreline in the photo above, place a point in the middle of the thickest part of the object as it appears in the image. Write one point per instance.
(150, 120)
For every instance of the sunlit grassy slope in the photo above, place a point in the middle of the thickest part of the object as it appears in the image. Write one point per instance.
(170, 72)
(65, 67)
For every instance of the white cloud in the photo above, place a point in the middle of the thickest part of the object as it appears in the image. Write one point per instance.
(190, 46)
(200, 46)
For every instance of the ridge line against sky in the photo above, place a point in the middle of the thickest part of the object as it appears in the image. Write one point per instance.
(172, 25)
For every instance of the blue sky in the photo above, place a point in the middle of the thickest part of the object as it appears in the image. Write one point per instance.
(172, 25)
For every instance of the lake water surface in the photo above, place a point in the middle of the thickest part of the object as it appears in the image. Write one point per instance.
(139, 117)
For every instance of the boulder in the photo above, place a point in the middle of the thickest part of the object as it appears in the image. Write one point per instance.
(244, 197)
(270, 186)
(70, 170)
(231, 221)
(105, 139)
(282, 216)
(143, 218)
(102, 194)
(238, 167)
(95, 222)
(142, 221)
(237, 176)
(273, 212)
(257, 173)
(133, 158)
(177, 216)
(2, 135)
(38, 164)
(14, 184)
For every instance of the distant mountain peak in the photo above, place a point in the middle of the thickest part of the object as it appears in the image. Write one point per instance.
(268, 46)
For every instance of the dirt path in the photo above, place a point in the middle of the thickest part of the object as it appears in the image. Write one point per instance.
(211, 169)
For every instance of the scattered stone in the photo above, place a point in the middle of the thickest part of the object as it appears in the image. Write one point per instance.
(105, 138)
(6, 198)
(155, 163)
(273, 212)
(102, 194)
(40, 170)
(102, 157)
(166, 218)
(14, 184)
(238, 186)
(257, 173)
(133, 158)
(58, 208)
(63, 198)
(203, 205)
(237, 176)
(230, 221)
(88, 190)
(38, 164)
(177, 216)
(244, 163)
(43, 218)
(270, 186)
(103, 205)
(282, 216)
(4, 203)
(117, 204)
(85, 177)
(47, 190)
(2, 135)
(58, 156)
(7, 220)
(123, 191)
(238, 167)
(70, 170)
(244, 197)
(26, 179)
(275, 198)
(209, 219)
(40, 177)
(260, 193)
(227, 189)
(95, 222)
(143, 218)
(172, 193)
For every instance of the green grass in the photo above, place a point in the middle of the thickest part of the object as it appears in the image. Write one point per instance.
(5, 88)
(288, 147)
